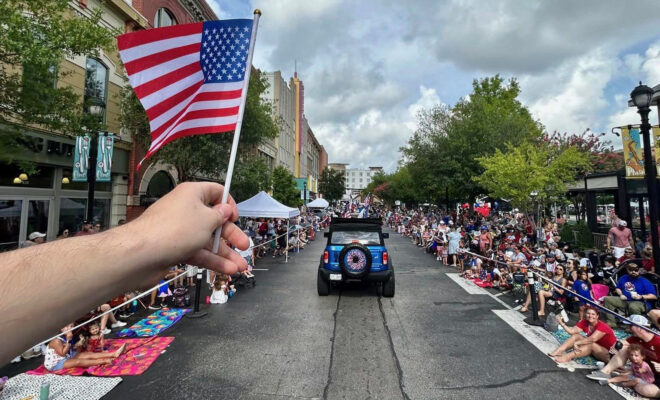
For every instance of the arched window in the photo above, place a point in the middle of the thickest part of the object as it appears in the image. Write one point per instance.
(164, 18)
(96, 85)
(159, 185)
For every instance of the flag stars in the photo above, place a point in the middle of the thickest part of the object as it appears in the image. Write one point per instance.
(233, 59)
(206, 32)
(230, 77)
(214, 30)
(241, 35)
(246, 29)
(238, 76)
(224, 71)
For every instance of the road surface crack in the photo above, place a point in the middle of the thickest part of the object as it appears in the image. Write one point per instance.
(332, 350)
(532, 375)
(394, 355)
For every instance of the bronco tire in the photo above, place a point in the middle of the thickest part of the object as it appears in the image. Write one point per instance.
(355, 260)
(322, 286)
(388, 287)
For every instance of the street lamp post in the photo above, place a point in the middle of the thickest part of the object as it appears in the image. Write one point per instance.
(641, 98)
(305, 186)
(95, 110)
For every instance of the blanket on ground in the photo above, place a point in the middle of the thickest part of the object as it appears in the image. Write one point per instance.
(24, 386)
(154, 323)
(139, 355)
(562, 336)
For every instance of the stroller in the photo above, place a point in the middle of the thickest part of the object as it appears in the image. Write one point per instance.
(240, 280)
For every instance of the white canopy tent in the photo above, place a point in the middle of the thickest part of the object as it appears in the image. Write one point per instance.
(318, 203)
(261, 205)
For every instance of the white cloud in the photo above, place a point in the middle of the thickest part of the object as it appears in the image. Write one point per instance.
(374, 137)
(570, 97)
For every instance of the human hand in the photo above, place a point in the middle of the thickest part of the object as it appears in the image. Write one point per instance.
(623, 297)
(636, 296)
(179, 228)
(559, 319)
(656, 366)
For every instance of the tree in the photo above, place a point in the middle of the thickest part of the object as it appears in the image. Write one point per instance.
(332, 184)
(602, 156)
(443, 152)
(537, 167)
(36, 35)
(251, 177)
(284, 188)
(207, 154)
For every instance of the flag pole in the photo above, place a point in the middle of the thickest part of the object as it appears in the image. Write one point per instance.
(239, 122)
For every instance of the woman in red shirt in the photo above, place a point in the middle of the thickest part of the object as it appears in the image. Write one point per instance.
(600, 338)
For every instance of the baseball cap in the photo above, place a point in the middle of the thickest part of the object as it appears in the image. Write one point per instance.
(622, 222)
(638, 320)
(484, 228)
(35, 235)
(86, 222)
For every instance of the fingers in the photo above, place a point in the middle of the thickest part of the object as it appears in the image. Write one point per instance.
(228, 265)
(212, 194)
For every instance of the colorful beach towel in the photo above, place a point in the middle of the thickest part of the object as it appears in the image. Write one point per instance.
(24, 386)
(154, 323)
(562, 336)
(139, 355)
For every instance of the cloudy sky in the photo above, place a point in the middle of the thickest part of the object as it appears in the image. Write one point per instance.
(369, 66)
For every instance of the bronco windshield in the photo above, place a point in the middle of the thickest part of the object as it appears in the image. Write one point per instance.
(348, 237)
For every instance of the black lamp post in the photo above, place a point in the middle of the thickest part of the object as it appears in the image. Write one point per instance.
(305, 186)
(641, 98)
(97, 111)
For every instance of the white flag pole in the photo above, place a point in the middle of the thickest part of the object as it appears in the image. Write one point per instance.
(237, 131)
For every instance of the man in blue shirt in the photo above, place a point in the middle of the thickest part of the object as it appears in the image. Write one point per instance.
(636, 295)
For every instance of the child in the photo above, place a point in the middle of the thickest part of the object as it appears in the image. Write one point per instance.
(445, 253)
(60, 354)
(582, 286)
(642, 374)
(219, 295)
(461, 255)
(95, 343)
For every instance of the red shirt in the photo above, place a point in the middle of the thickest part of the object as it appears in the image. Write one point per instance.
(607, 341)
(648, 265)
(651, 348)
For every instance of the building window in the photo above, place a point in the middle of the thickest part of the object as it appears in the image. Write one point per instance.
(164, 18)
(96, 85)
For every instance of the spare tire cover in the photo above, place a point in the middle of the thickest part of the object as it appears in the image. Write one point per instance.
(355, 260)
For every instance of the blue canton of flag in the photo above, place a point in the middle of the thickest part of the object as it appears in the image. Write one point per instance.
(224, 51)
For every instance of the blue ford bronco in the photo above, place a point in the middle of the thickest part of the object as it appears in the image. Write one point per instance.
(356, 252)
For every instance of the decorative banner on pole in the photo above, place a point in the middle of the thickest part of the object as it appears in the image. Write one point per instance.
(656, 146)
(632, 153)
(81, 159)
(104, 158)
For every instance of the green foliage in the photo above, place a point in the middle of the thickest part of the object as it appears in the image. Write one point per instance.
(530, 167)
(207, 155)
(35, 37)
(444, 150)
(251, 176)
(392, 187)
(585, 239)
(332, 184)
(284, 188)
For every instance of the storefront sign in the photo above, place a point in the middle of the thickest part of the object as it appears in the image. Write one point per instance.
(81, 158)
(632, 153)
(104, 158)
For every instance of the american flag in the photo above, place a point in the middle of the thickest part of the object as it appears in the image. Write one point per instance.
(189, 78)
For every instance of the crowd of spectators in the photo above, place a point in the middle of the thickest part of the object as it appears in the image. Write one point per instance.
(492, 249)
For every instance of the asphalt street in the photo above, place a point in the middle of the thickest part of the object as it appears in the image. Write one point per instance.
(279, 339)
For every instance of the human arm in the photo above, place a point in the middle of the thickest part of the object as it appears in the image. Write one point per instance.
(67, 278)
(573, 330)
(609, 239)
